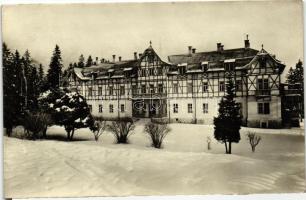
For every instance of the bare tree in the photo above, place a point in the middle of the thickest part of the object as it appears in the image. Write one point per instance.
(100, 127)
(208, 140)
(157, 133)
(121, 130)
(254, 140)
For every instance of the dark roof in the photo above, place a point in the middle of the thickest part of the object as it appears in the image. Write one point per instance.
(213, 56)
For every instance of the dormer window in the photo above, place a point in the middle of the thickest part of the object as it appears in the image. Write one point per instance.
(204, 66)
(229, 65)
(182, 68)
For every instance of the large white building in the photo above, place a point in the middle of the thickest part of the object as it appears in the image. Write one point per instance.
(187, 88)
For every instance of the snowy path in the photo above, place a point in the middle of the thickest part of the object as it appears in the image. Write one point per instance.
(88, 168)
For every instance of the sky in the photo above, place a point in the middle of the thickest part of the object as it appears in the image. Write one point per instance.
(102, 30)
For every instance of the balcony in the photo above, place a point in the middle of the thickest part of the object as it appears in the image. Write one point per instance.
(266, 92)
(292, 92)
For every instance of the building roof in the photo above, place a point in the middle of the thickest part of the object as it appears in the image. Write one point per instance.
(214, 56)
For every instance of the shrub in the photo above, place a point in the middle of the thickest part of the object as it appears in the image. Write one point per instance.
(35, 125)
(254, 140)
(121, 130)
(68, 109)
(157, 133)
(98, 129)
(208, 140)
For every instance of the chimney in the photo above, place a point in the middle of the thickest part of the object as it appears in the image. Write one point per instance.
(219, 47)
(193, 50)
(189, 50)
(247, 42)
(114, 58)
(135, 55)
(140, 55)
(119, 58)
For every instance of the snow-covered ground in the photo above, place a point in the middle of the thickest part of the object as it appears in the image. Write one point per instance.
(56, 168)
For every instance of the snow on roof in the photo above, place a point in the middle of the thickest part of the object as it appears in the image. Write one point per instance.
(78, 73)
(182, 64)
(229, 60)
(127, 69)
(194, 70)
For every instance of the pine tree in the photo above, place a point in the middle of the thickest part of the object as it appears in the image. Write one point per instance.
(55, 69)
(89, 62)
(11, 89)
(41, 73)
(81, 62)
(296, 76)
(290, 76)
(228, 122)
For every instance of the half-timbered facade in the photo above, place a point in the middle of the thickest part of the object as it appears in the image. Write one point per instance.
(187, 88)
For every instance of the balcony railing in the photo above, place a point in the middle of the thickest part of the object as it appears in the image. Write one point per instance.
(292, 92)
(266, 92)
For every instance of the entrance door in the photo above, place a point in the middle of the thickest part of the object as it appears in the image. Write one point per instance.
(152, 110)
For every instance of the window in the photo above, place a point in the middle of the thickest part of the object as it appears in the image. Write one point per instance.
(100, 91)
(100, 108)
(205, 67)
(238, 85)
(122, 90)
(111, 108)
(175, 88)
(151, 71)
(189, 108)
(152, 89)
(189, 87)
(205, 87)
(111, 90)
(143, 89)
(134, 89)
(175, 108)
(205, 107)
(122, 108)
(221, 86)
(160, 88)
(229, 66)
(263, 84)
(90, 91)
(182, 69)
(143, 72)
(263, 108)
(90, 107)
(159, 71)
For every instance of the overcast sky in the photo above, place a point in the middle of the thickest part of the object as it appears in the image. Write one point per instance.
(105, 29)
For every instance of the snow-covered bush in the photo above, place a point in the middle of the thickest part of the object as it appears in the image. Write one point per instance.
(122, 129)
(157, 133)
(254, 140)
(68, 109)
(98, 128)
(35, 124)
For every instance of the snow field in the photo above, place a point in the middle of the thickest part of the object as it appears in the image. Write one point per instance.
(56, 168)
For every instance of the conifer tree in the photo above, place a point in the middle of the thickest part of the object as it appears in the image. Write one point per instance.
(81, 62)
(55, 69)
(89, 62)
(296, 76)
(11, 87)
(41, 73)
(228, 122)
